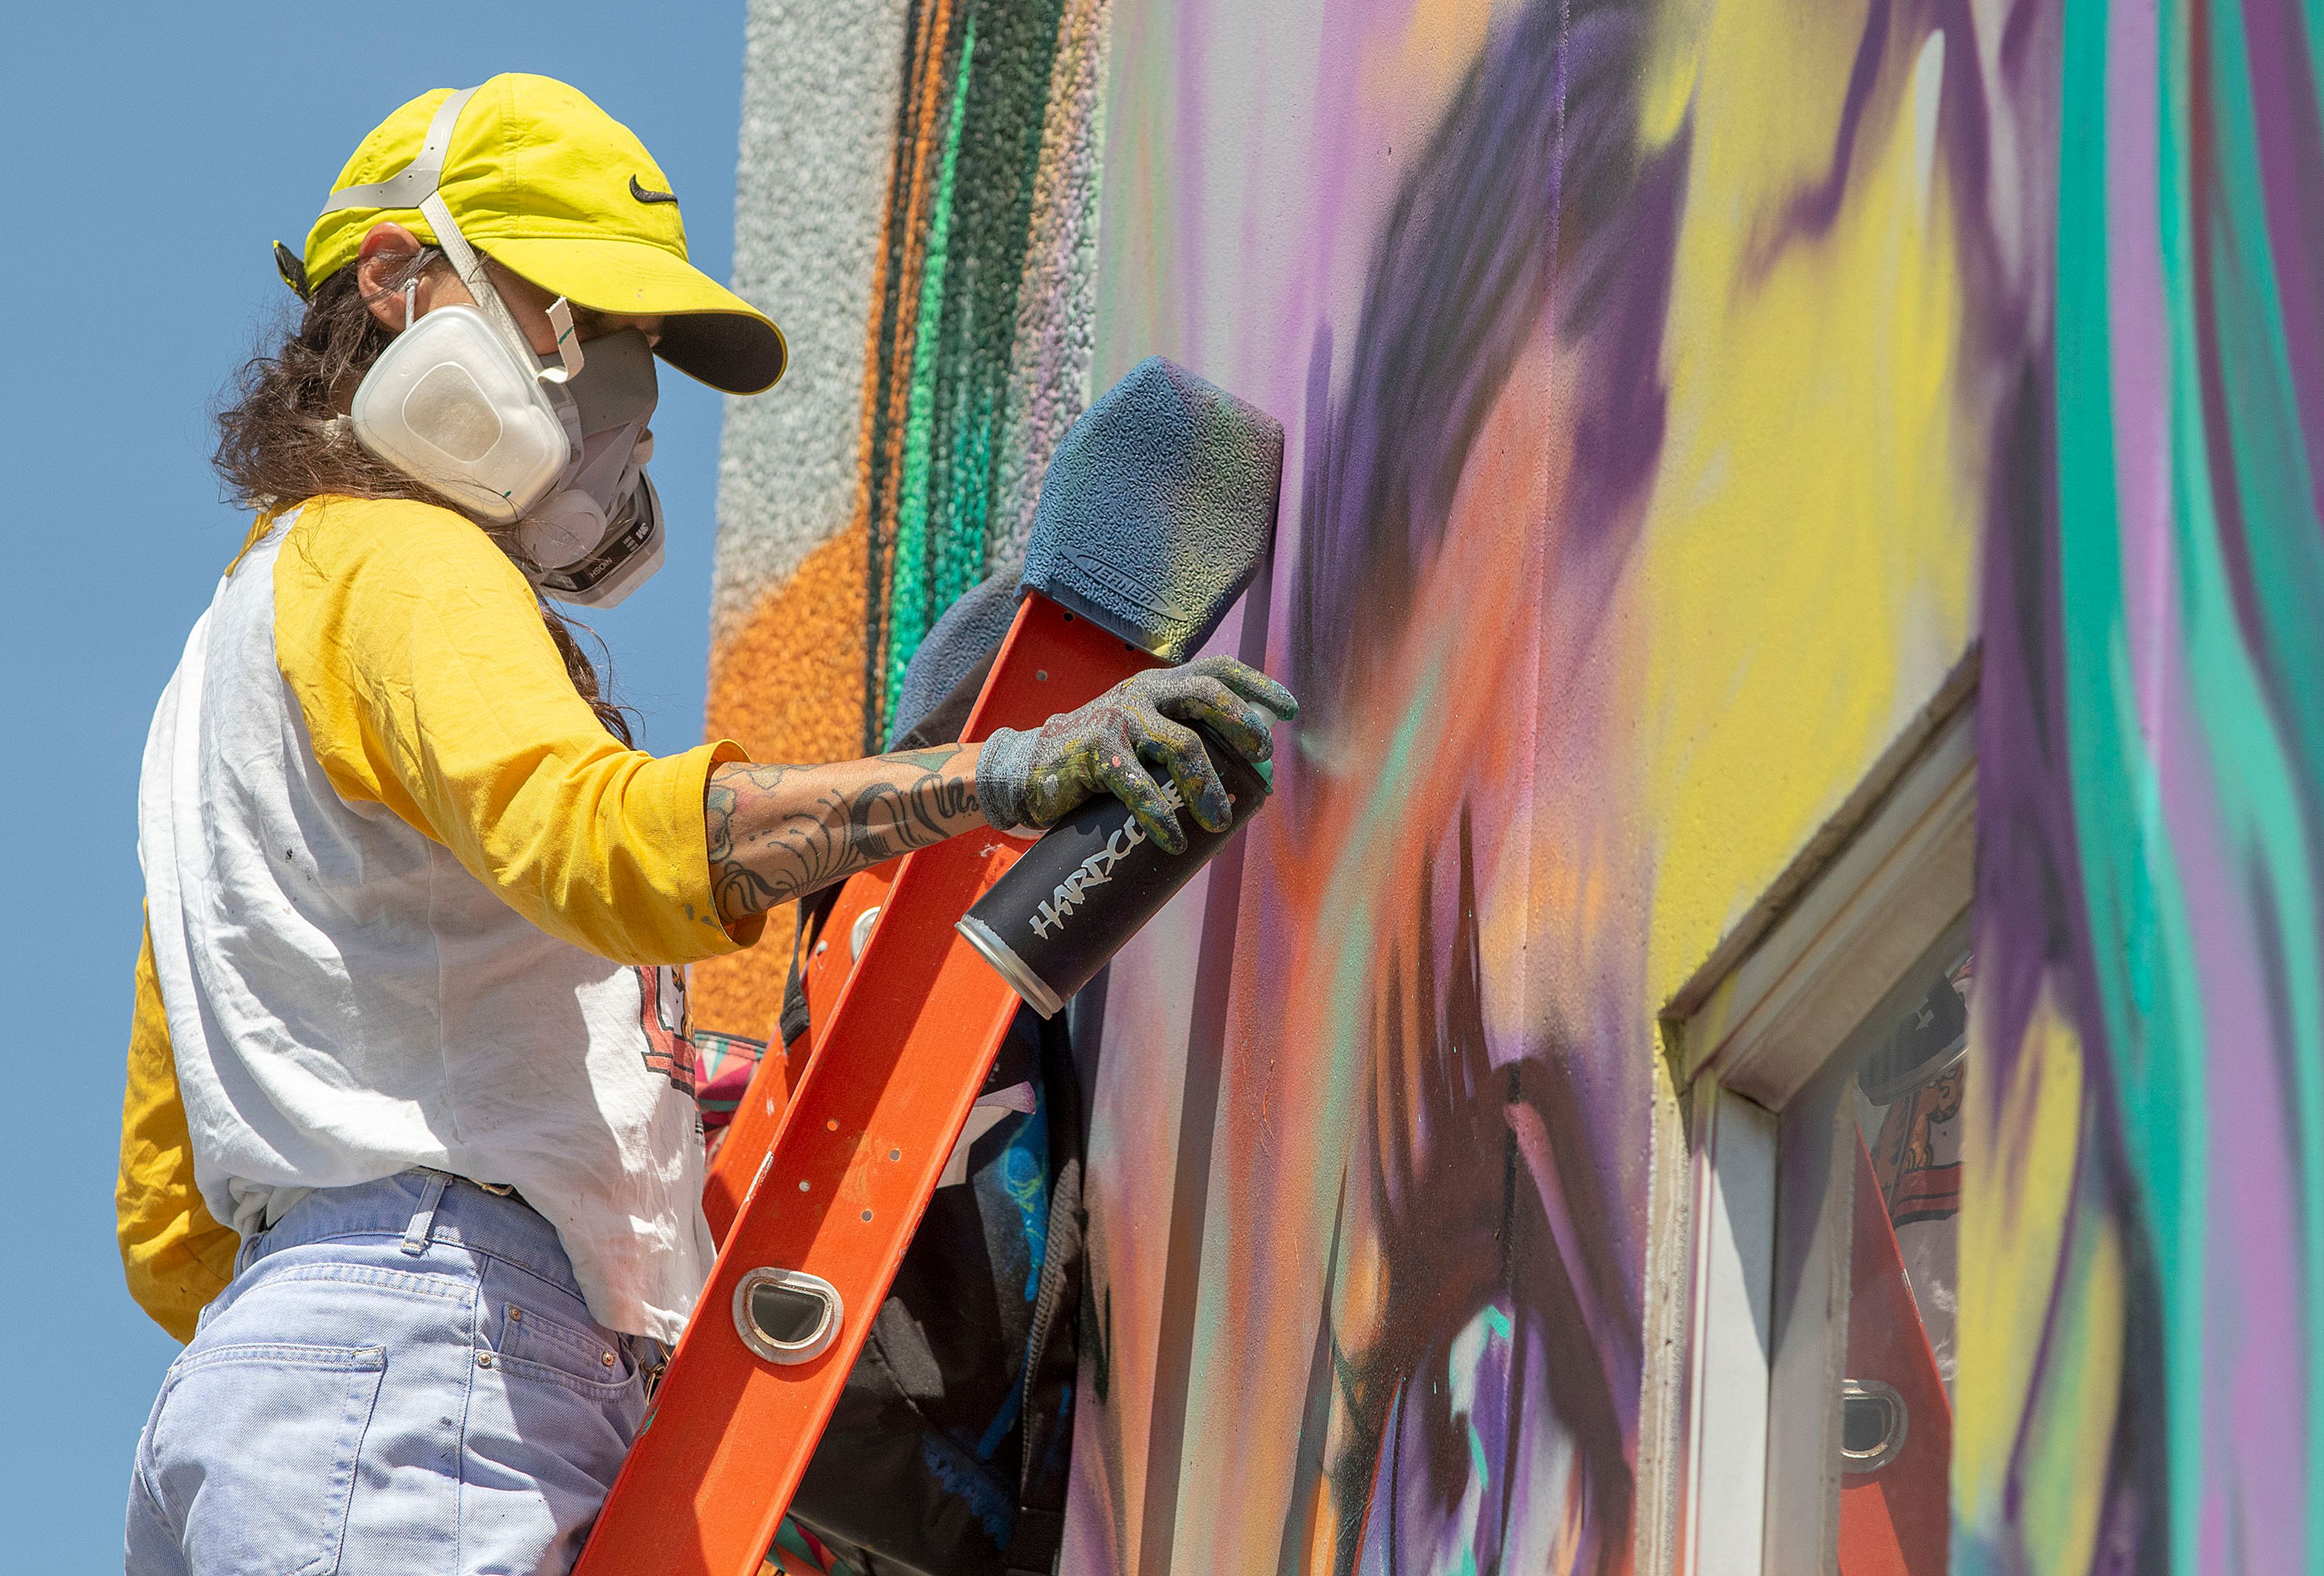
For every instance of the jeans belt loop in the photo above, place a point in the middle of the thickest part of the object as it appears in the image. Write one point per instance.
(423, 1219)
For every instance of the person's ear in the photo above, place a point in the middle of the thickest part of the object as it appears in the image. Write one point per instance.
(385, 252)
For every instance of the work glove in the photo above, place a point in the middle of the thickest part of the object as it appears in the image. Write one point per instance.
(1034, 781)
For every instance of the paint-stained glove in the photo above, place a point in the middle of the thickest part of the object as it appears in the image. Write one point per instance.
(1036, 780)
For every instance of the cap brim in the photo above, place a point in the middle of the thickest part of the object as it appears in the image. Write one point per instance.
(708, 333)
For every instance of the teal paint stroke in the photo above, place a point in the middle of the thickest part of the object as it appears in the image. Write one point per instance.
(2163, 1118)
(2196, 801)
(908, 617)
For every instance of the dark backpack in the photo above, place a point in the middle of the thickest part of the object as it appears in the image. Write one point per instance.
(949, 1450)
(947, 1454)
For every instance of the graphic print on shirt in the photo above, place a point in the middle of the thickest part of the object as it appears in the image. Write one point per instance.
(669, 1041)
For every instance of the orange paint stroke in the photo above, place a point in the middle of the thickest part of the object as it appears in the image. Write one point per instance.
(788, 686)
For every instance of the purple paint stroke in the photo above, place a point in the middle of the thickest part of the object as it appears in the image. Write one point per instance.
(1602, 1315)
(1188, 123)
(2251, 1246)
(2032, 930)
(2291, 138)
(2254, 1422)
(1517, 1513)
(1450, 302)
(1965, 132)
(1812, 213)
(2139, 349)
(1999, 304)
(1617, 431)
(2216, 269)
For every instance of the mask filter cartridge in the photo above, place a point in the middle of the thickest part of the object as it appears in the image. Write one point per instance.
(446, 404)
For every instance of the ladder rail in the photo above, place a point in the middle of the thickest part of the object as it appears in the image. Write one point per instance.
(781, 1070)
(842, 1187)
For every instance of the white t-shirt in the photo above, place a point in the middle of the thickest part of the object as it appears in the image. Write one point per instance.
(345, 999)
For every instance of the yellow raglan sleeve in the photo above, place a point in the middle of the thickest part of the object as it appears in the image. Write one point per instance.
(428, 685)
(175, 1254)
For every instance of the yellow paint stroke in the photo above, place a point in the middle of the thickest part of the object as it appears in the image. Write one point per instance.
(2032, 1238)
(1668, 73)
(2073, 1410)
(1810, 550)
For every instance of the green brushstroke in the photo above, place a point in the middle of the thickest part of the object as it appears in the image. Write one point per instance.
(908, 600)
(2152, 1023)
(2257, 771)
(978, 228)
(1000, 165)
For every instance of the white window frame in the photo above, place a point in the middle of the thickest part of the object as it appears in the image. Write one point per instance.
(1735, 1417)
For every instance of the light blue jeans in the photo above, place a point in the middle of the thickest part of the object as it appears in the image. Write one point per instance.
(402, 1379)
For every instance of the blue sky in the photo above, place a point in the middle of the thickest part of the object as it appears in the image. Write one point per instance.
(156, 152)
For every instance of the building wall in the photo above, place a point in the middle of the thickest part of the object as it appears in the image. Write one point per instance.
(1672, 390)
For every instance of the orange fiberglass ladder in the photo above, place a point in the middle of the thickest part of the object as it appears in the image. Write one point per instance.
(1169, 490)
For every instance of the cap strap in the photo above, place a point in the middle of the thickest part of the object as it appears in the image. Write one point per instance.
(417, 185)
(409, 185)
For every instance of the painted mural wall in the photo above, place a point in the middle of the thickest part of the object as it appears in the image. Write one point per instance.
(1653, 373)
(1673, 391)
(2145, 1154)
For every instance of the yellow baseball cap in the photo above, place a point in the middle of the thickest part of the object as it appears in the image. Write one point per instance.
(542, 181)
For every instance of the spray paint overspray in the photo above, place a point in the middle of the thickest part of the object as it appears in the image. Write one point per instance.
(1677, 393)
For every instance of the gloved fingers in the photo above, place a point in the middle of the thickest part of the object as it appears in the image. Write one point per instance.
(1120, 773)
(1248, 682)
(1198, 697)
(1178, 750)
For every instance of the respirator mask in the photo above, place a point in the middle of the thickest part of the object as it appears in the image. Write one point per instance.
(554, 446)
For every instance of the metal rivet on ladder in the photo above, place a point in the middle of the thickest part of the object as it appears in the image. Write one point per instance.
(895, 1154)
(867, 1214)
(786, 1315)
(803, 1185)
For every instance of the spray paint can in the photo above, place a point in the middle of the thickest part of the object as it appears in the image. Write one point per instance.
(1092, 882)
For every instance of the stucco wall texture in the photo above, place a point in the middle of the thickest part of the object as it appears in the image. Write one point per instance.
(899, 171)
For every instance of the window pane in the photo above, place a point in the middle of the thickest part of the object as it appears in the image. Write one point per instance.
(1894, 1427)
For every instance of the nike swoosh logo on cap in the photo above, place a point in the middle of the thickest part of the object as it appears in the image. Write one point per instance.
(648, 194)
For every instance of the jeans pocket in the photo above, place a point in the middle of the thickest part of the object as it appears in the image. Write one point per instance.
(249, 1455)
(532, 1345)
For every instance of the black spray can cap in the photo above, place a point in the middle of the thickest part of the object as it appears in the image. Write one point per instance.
(1092, 882)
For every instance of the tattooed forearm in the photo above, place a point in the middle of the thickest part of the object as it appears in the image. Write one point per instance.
(777, 833)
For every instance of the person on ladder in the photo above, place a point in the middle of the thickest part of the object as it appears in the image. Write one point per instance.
(409, 1153)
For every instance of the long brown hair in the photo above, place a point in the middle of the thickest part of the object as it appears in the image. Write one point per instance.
(280, 439)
